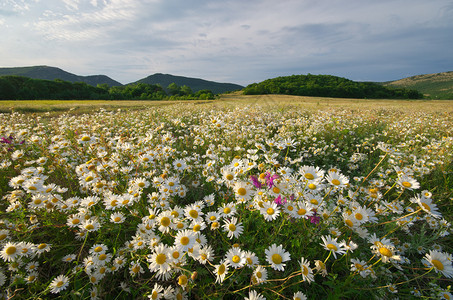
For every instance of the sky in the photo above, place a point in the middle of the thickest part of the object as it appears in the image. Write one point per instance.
(236, 41)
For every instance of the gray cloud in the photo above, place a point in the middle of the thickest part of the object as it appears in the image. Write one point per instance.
(235, 41)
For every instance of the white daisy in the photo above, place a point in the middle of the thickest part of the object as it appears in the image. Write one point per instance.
(276, 256)
(60, 283)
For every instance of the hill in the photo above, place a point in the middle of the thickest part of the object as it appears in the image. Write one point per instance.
(434, 86)
(327, 86)
(52, 73)
(195, 84)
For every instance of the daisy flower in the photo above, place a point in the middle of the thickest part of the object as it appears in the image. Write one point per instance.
(117, 218)
(428, 206)
(386, 251)
(407, 182)
(303, 211)
(193, 213)
(242, 191)
(270, 211)
(10, 251)
(227, 210)
(336, 179)
(185, 239)
(307, 273)
(254, 295)
(159, 260)
(259, 275)
(331, 244)
(299, 296)
(233, 228)
(276, 256)
(59, 283)
(221, 270)
(235, 257)
(157, 292)
(164, 221)
(440, 262)
(251, 259)
(360, 266)
(135, 268)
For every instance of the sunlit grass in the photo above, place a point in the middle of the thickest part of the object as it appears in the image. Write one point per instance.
(98, 196)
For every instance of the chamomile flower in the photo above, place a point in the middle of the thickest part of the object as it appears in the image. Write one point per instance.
(254, 295)
(428, 206)
(185, 239)
(337, 180)
(407, 182)
(157, 292)
(307, 272)
(270, 211)
(235, 257)
(117, 218)
(440, 262)
(159, 261)
(333, 246)
(299, 296)
(233, 227)
(221, 270)
(59, 284)
(10, 252)
(276, 256)
(259, 275)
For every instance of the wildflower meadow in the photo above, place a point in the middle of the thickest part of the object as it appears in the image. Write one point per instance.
(237, 200)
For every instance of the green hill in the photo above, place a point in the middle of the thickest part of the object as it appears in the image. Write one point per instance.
(195, 84)
(327, 86)
(52, 73)
(434, 86)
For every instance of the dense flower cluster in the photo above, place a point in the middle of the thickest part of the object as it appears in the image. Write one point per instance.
(181, 200)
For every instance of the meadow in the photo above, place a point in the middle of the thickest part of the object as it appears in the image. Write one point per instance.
(243, 197)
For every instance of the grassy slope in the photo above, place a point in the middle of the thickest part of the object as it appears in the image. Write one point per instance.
(435, 86)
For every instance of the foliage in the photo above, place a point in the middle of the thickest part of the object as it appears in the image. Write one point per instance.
(327, 86)
(24, 88)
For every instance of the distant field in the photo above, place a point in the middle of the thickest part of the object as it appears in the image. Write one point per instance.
(80, 107)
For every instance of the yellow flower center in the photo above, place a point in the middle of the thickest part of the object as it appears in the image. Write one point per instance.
(60, 283)
(229, 177)
(358, 266)
(309, 176)
(242, 191)
(98, 249)
(426, 206)
(89, 227)
(165, 221)
(304, 270)
(11, 250)
(358, 216)
(182, 280)
(314, 202)
(175, 255)
(226, 210)
(301, 212)
(406, 184)
(276, 258)
(42, 246)
(349, 223)
(102, 257)
(221, 269)
(332, 247)
(86, 138)
(276, 190)
(185, 240)
(270, 211)
(193, 213)
(236, 259)
(336, 182)
(386, 252)
(197, 227)
(117, 219)
(437, 264)
(232, 227)
(89, 178)
(161, 258)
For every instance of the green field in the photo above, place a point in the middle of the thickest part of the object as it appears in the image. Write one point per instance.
(282, 197)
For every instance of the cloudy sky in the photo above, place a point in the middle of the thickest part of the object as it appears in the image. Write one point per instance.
(238, 41)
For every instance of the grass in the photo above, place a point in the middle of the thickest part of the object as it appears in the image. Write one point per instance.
(366, 226)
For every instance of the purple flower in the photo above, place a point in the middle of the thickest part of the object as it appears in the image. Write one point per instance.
(7, 140)
(270, 179)
(279, 200)
(255, 182)
(314, 219)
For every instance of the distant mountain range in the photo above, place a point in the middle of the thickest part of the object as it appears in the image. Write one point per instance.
(195, 84)
(434, 86)
(52, 73)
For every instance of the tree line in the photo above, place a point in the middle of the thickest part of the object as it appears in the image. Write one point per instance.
(328, 86)
(25, 88)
